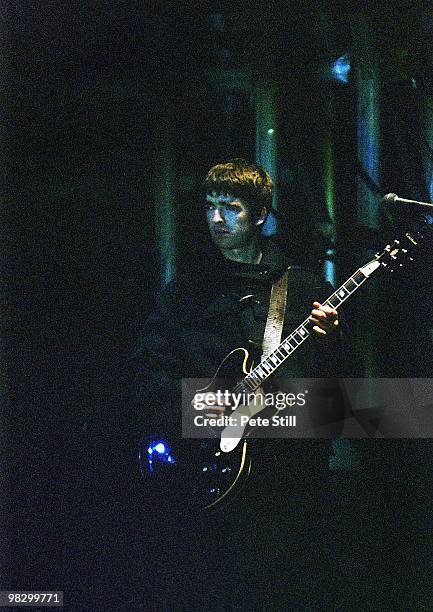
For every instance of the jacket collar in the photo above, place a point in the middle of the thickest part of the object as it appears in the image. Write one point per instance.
(273, 264)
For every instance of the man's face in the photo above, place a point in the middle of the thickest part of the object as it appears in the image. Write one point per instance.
(231, 224)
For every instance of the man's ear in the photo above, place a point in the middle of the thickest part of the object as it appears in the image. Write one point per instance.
(263, 215)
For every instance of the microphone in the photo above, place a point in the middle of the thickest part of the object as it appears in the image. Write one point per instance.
(392, 198)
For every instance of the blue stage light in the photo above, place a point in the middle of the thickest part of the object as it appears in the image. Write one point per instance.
(341, 68)
(158, 452)
(329, 270)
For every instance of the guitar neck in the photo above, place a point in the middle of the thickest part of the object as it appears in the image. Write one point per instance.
(269, 365)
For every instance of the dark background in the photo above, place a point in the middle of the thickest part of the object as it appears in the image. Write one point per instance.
(83, 89)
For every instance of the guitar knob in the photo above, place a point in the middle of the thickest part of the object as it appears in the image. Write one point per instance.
(209, 468)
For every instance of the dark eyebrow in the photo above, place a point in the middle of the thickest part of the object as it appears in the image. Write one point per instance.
(234, 201)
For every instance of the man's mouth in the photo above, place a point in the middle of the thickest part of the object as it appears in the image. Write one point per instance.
(220, 231)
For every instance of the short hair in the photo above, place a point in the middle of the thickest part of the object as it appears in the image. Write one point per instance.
(243, 179)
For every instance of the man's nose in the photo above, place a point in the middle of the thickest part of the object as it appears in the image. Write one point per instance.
(217, 216)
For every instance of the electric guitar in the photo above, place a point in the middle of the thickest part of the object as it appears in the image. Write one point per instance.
(209, 471)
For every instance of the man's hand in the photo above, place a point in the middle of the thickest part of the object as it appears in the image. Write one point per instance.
(325, 319)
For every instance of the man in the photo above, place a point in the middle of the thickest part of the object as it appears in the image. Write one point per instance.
(220, 304)
(223, 302)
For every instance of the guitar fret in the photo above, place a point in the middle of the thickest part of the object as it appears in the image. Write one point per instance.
(346, 290)
(253, 377)
(248, 383)
(304, 332)
(298, 336)
(351, 284)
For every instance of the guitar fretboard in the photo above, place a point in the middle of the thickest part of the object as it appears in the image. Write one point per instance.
(268, 366)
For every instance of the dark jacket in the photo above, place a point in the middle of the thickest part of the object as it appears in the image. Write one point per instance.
(204, 314)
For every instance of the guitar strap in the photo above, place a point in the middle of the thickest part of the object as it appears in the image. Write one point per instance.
(276, 312)
(231, 435)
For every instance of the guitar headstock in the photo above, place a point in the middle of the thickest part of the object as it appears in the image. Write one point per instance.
(400, 252)
(395, 255)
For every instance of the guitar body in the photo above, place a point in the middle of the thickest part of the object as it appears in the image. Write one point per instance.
(197, 472)
(200, 477)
